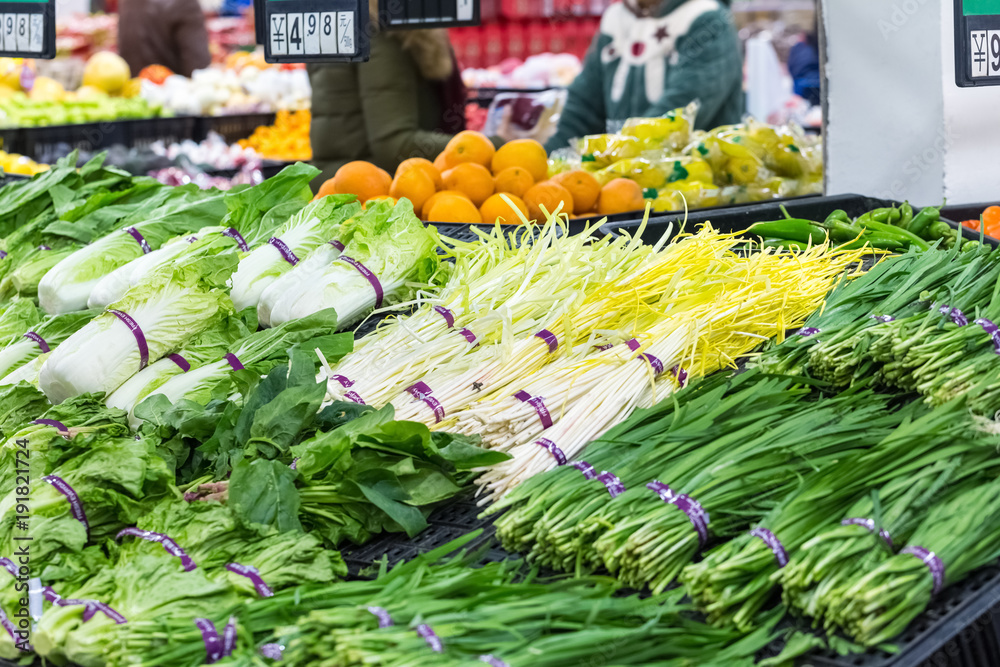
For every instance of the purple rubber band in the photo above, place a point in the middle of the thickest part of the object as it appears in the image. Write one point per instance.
(603, 348)
(229, 637)
(586, 469)
(8, 626)
(933, 563)
(696, 514)
(234, 362)
(75, 506)
(384, 618)
(110, 613)
(549, 338)
(344, 381)
(45, 247)
(808, 331)
(271, 651)
(612, 483)
(59, 426)
(468, 335)
(51, 595)
(294, 465)
(213, 645)
(251, 573)
(169, 545)
(181, 362)
(421, 392)
(772, 543)
(134, 233)
(235, 235)
(8, 565)
(354, 397)
(449, 318)
(990, 328)
(191, 239)
(957, 316)
(286, 252)
(552, 449)
(492, 661)
(337, 244)
(3, 255)
(91, 607)
(432, 639)
(371, 277)
(42, 345)
(870, 525)
(680, 375)
(633, 344)
(884, 319)
(654, 363)
(140, 339)
(538, 403)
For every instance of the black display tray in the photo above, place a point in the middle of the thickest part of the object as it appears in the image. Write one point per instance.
(738, 218)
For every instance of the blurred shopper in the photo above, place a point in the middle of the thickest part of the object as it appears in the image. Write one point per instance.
(171, 33)
(803, 66)
(652, 56)
(407, 101)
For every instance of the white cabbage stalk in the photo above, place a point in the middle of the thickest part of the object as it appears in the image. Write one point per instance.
(26, 373)
(319, 223)
(341, 287)
(114, 285)
(304, 273)
(104, 354)
(142, 384)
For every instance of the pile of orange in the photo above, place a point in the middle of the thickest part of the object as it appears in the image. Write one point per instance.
(471, 182)
(286, 140)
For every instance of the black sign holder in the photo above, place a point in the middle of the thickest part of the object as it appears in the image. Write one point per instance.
(28, 29)
(977, 48)
(304, 31)
(417, 14)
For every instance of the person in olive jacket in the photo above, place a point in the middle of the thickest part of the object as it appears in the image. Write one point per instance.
(653, 56)
(171, 33)
(407, 101)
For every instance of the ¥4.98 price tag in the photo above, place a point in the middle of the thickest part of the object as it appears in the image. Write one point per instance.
(28, 29)
(977, 43)
(315, 31)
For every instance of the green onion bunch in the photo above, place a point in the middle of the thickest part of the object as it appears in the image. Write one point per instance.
(733, 582)
(960, 534)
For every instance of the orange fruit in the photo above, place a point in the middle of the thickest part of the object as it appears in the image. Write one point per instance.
(328, 188)
(362, 179)
(426, 208)
(422, 164)
(515, 180)
(469, 146)
(474, 180)
(454, 209)
(549, 195)
(584, 188)
(620, 196)
(440, 164)
(496, 208)
(391, 200)
(415, 185)
(525, 153)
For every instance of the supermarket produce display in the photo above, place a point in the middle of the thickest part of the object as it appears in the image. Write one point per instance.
(660, 161)
(792, 422)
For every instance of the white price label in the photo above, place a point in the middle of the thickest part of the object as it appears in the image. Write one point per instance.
(295, 35)
(464, 10)
(980, 64)
(23, 30)
(37, 42)
(311, 39)
(279, 34)
(328, 33)
(345, 33)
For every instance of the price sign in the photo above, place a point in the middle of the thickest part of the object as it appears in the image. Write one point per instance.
(412, 14)
(977, 43)
(28, 29)
(299, 31)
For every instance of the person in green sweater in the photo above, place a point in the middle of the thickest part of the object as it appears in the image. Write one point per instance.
(652, 56)
(407, 101)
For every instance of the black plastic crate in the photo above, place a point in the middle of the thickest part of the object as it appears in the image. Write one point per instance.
(143, 132)
(739, 218)
(637, 215)
(232, 127)
(49, 143)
